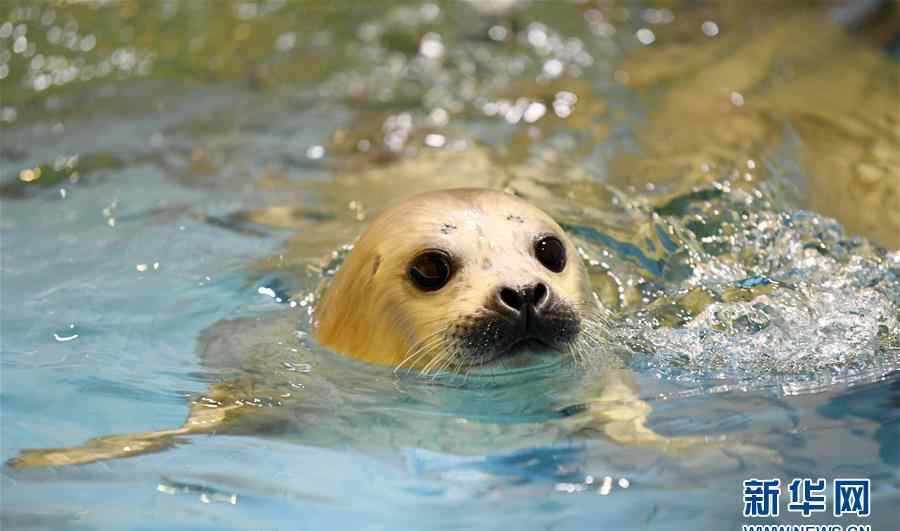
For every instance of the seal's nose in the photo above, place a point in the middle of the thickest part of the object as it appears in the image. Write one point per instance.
(520, 302)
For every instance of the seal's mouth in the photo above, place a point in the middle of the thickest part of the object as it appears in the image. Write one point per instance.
(526, 345)
(524, 354)
(521, 352)
(493, 337)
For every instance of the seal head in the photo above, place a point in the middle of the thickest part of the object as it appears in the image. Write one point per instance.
(455, 279)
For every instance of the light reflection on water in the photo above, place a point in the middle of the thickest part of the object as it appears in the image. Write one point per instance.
(169, 165)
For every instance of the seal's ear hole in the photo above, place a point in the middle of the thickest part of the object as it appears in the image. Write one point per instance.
(430, 270)
(376, 264)
(551, 253)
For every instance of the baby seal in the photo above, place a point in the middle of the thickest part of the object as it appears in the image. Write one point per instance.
(455, 279)
(446, 282)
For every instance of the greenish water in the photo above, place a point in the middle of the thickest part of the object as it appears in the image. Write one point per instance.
(729, 173)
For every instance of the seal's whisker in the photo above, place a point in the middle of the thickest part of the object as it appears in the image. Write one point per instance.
(576, 350)
(421, 348)
(448, 360)
(424, 347)
(433, 364)
(458, 371)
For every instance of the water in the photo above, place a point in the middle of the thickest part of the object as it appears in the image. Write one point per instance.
(730, 177)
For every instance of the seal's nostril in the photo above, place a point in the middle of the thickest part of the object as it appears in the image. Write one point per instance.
(539, 294)
(511, 298)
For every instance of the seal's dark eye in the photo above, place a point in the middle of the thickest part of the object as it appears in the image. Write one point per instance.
(551, 253)
(431, 270)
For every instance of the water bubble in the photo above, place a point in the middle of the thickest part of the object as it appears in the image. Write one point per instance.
(537, 35)
(431, 46)
(605, 487)
(710, 28)
(88, 43)
(435, 140)
(534, 111)
(439, 117)
(429, 12)
(269, 292)
(286, 41)
(20, 44)
(553, 67)
(562, 108)
(30, 174)
(124, 58)
(297, 367)
(498, 33)
(41, 82)
(645, 36)
(315, 152)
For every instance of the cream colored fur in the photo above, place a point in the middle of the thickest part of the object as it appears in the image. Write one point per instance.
(372, 312)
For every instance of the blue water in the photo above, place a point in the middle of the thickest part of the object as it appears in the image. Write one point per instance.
(779, 331)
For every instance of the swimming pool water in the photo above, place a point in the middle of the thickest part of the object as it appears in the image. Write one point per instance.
(205, 160)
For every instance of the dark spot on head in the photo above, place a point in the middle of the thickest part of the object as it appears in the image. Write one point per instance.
(447, 228)
(376, 264)
(513, 217)
(486, 263)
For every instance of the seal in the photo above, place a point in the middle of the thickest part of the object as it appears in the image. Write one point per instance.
(448, 281)
(455, 279)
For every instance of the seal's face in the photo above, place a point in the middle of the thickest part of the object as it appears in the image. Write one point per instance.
(455, 279)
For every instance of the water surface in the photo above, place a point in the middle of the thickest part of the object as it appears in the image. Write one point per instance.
(730, 176)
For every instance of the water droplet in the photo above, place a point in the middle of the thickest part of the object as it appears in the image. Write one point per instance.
(710, 28)
(263, 290)
(431, 46)
(315, 152)
(645, 36)
(435, 140)
(553, 67)
(498, 33)
(20, 44)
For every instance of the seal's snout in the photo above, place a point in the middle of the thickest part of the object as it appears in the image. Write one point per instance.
(522, 303)
(522, 316)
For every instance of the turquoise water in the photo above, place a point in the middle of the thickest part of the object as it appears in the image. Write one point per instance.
(163, 197)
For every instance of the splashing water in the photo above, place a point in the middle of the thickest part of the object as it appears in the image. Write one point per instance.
(757, 297)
